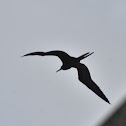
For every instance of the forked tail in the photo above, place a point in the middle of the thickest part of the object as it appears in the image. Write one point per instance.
(84, 55)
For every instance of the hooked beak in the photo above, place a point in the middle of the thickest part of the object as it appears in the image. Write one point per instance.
(58, 70)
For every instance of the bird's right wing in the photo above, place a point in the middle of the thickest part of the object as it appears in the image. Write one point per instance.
(85, 78)
(62, 55)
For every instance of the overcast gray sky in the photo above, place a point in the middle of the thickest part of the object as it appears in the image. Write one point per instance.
(31, 92)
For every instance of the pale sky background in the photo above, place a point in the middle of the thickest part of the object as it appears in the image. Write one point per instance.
(31, 92)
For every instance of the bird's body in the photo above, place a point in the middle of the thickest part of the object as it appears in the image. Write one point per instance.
(83, 72)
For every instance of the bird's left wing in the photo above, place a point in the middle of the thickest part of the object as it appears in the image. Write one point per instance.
(85, 78)
(35, 53)
(62, 55)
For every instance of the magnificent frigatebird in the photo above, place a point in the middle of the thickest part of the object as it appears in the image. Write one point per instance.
(83, 72)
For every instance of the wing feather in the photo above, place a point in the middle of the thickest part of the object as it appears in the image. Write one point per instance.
(62, 55)
(85, 78)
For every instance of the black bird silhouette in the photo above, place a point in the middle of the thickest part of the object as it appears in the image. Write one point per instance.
(83, 72)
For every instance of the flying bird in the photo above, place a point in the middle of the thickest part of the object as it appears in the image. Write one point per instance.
(83, 72)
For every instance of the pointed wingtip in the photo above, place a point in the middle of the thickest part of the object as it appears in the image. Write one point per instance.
(30, 54)
(109, 102)
(106, 100)
(24, 55)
